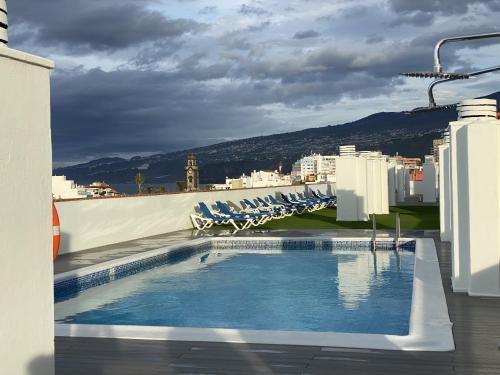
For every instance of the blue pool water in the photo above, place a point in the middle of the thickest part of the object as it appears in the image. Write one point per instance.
(323, 291)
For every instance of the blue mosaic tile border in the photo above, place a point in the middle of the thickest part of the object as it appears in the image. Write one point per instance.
(70, 288)
(284, 244)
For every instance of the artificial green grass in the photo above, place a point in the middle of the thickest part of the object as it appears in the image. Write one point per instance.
(412, 217)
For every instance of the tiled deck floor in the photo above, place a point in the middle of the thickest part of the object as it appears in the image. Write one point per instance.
(476, 331)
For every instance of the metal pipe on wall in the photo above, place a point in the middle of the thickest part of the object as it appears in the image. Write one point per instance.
(4, 23)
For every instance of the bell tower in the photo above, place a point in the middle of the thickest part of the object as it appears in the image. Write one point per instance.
(192, 174)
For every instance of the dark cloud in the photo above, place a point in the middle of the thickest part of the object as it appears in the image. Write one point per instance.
(105, 25)
(306, 34)
(98, 113)
(174, 86)
(374, 39)
(423, 12)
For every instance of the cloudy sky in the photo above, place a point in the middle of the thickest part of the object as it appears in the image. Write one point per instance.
(146, 76)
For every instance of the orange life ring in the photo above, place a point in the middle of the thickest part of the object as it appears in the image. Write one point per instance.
(57, 233)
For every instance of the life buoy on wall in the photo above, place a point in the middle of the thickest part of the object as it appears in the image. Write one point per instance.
(56, 230)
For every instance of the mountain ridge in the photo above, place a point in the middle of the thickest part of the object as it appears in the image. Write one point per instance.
(390, 132)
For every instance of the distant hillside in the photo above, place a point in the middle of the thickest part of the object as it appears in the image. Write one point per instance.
(389, 132)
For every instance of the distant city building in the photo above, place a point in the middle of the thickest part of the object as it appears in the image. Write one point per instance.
(192, 173)
(257, 179)
(314, 168)
(99, 189)
(347, 150)
(65, 189)
(68, 189)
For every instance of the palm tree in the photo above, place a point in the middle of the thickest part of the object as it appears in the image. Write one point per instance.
(181, 185)
(139, 180)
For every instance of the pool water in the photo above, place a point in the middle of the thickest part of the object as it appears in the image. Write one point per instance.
(321, 291)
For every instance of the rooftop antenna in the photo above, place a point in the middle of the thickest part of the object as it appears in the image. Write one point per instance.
(443, 77)
(4, 23)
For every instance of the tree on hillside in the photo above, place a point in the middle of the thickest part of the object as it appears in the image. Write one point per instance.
(181, 185)
(139, 180)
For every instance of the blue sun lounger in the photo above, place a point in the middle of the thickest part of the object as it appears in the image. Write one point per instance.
(310, 206)
(300, 207)
(206, 219)
(287, 210)
(332, 199)
(255, 219)
(275, 212)
(314, 201)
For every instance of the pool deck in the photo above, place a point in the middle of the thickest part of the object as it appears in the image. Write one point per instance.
(476, 332)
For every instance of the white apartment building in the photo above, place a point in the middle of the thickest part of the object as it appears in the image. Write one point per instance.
(257, 179)
(315, 168)
(65, 189)
(68, 189)
(347, 150)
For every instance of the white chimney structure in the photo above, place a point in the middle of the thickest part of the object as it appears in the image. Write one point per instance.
(362, 186)
(26, 270)
(445, 190)
(474, 162)
(430, 180)
(4, 23)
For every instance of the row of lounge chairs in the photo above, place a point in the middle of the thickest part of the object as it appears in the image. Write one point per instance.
(260, 210)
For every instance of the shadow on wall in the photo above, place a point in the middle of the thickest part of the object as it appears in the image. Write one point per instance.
(42, 365)
(65, 242)
(350, 206)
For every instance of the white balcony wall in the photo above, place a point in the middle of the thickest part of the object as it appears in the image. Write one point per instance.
(352, 194)
(444, 193)
(392, 182)
(429, 184)
(26, 272)
(459, 208)
(377, 179)
(400, 183)
(91, 223)
(481, 142)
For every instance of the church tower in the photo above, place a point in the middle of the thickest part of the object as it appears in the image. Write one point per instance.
(192, 174)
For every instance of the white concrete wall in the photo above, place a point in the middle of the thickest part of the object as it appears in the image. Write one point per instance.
(90, 223)
(392, 185)
(377, 186)
(26, 273)
(444, 193)
(429, 184)
(459, 208)
(482, 141)
(400, 183)
(352, 195)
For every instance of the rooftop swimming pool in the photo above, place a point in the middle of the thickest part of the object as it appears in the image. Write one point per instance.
(326, 292)
(354, 291)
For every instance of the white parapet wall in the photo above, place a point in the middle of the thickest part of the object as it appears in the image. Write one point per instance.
(26, 271)
(362, 188)
(400, 183)
(429, 185)
(481, 140)
(352, 195)
(475, 198)
(95, 222)
(377, 186)
(444, 193)
(459, 207)
(392, 183)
